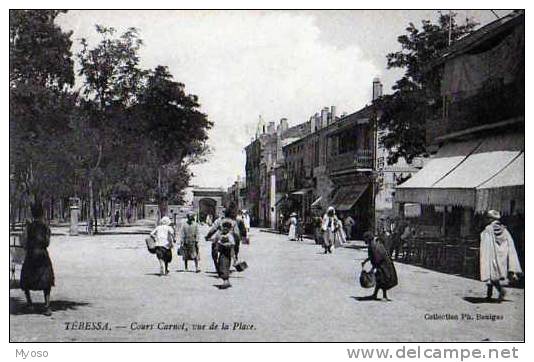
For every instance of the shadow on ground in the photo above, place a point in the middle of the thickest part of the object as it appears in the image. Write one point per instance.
(481, 300)
(367, 298)
(17, 306)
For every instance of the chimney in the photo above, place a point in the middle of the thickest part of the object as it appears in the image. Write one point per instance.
(324, 117)
(317, 121)
(270, 128)
(377, 88)
(283, 124)
(332, 114)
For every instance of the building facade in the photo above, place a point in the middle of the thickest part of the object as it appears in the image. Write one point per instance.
(477, 134)
(264, 163)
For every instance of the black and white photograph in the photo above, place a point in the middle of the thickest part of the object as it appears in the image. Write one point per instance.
(266, 176)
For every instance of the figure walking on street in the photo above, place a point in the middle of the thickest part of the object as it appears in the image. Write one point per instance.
(189, 241)
(318, 234)
(238, 232)
(225, 245)
(292, 235)
(385, 273)
(498, 256)
(214, 251)
(246, 220)
(300, 229)
(164, 237)
(37, 272)
(330, 226)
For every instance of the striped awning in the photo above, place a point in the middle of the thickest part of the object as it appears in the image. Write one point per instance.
(346, 196)
(505, 191)
(454, 179)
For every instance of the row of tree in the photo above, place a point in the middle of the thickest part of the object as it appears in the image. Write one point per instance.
(112, 131)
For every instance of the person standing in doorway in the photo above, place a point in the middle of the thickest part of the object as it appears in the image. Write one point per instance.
(37, 272)
(349, 223)
(498, 256)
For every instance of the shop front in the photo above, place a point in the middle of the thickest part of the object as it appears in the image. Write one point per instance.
(455, 190)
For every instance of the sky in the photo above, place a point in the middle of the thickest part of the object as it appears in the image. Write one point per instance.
(277, 64)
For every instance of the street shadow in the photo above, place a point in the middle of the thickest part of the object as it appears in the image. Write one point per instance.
(153, 274)
(357, 247)
(139, 232)
(367, 298)
(231, 276)
(482, 300)
(221, 286)
(17, 306)
(210, 272)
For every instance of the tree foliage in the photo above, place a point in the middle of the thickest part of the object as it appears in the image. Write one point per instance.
(405, 111)
(41, 73)
(127, 133)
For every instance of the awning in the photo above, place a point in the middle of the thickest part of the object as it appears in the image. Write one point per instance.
(504, 189)
(447, 158)
(317, 203)
(458, 185)
(347, 196)
(417, 188)
(301, 192)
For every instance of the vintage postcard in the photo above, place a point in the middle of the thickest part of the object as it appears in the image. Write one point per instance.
(266, 175)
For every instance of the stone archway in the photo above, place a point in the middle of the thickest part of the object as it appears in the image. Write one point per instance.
(207, 206)
(207, 200)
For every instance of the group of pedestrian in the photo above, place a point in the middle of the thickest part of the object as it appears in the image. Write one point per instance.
(226, 235)
(165, 240)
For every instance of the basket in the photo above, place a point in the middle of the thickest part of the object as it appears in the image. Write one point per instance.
(151, 244)
(367, 279)
(242, 265)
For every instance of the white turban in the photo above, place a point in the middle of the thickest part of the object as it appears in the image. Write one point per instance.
(165, 221)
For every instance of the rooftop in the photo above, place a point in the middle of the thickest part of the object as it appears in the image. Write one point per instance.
(480, 37)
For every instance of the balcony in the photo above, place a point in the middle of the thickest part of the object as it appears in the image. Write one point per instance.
(350, 160)
(491, 105)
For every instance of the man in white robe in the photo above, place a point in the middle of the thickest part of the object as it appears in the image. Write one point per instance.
(498, 257)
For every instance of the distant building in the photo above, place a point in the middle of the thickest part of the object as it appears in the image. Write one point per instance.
(264, 157)
(236, 193)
